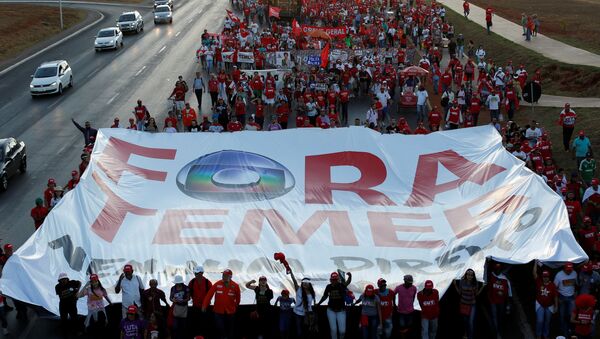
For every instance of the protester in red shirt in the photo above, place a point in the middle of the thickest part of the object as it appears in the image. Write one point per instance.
(489, 12)
(587, 235)
(74, 180)
(49, 192)
(188, 114)
(39, 213)
(227, 300)
(567, 121)
(199, 287)
(421, 129)
(546, 302)
(386, 302)
(234, 125)
(573, 209)
(240, 109)
(583, 315)
(499, 295)
(429, 299)
(435, 119)
(283, 113)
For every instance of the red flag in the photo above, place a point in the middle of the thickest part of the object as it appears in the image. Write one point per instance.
(274, 11)
(325, 56)
(233, 17)
(296, 29)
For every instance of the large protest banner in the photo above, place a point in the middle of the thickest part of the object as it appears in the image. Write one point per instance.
(348, 198)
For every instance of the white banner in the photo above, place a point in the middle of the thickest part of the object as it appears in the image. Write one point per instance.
(245, 57)
(347, 198)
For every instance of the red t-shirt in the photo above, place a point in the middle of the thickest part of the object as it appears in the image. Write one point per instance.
(260, 110)
(430, 304)
(240, 108)
(270, 93)
(545, 294)
(587, 237)
(234, 126)
(584, 318)
(38, 214)
(387, 303)
(344, 96)
(573, 208)
(497, 290)
(435, 118)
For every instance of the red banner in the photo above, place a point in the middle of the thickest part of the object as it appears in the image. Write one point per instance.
(334, 32)
(274, 11)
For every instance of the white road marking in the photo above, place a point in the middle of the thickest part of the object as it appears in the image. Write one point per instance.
(93, 73)
(140, 71)
(113, 98)
(190, 21)
(51, 106)
(177, 34)
(162, 49)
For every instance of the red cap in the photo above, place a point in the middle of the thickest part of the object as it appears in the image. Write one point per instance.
(545, 274)
(334, 276)
(569, 266)
(581, 133)
(93, 277)
(595, 181)
(567, 104)
(369, 290)
(8, 247)
(587, 220)
(428, 284)
(74, 173)
(127, 268)
(132, 309)
(285, 292)
(228, 272)
(51, 181)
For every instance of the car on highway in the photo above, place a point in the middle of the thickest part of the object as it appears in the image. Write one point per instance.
(130, 22)
(51, 77)
(108, 38)
(13, 159)
(163, 13)
(163, 2)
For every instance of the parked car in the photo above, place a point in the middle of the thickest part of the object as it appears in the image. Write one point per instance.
(131, 22)
(163, 2)
(163, 13)
(51, 77)
(13, 159)
(108, 38)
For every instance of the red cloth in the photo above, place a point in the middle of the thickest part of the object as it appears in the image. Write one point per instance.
(227, 298)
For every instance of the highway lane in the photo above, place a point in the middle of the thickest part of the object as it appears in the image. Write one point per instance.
(106, 85)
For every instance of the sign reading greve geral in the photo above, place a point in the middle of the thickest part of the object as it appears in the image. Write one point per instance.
(334, 32)
(351, 199)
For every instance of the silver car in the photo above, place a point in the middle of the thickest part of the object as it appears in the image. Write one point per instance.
(163, 13)
(131, 22)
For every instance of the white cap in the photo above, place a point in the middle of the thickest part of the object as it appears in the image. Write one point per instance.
(62, 276)
(178, 280)
(198, 269)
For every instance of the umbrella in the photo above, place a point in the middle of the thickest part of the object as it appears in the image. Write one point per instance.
(414, 71)
(319, 34)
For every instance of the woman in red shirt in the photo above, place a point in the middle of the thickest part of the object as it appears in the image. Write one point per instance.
(546, 302)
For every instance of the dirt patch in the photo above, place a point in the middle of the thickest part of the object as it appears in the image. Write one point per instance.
(557, 78)
(23, 26)
(575, 22)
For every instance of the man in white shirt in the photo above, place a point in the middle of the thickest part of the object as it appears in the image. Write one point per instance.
(533, 133)
(493, 104)
(372, 116)
(384, 97)
(421, 104)
(130, 286)
(566, 281)
(518, 153)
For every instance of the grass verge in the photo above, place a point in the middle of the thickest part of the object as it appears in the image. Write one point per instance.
(557, 78)
(575, 23)
(23, 26)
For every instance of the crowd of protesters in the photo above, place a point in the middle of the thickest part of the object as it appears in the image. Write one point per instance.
(469, 83)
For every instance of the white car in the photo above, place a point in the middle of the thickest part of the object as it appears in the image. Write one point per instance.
(51, 77)
(108, 38)
(163, 13)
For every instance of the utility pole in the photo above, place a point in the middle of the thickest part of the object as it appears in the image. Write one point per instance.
(61, 14)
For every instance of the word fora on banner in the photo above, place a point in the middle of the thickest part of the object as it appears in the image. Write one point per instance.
(318, 191)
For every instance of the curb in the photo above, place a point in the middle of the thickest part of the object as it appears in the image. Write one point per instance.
(20, 62)
(115, 4)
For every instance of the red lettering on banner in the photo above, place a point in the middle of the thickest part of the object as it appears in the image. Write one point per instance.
(175, 221)
(342, 232)
(319, 188)
(115, 157)
(425, 188)
(384, 230)
(463, 223)
(110, 219)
